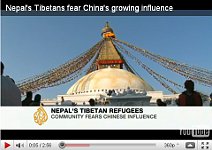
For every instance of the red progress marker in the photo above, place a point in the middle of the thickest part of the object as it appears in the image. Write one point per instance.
(77, 145)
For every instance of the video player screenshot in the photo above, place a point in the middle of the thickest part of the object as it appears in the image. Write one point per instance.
(106, 75)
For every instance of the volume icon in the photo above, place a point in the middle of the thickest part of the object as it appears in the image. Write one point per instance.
(18, 145)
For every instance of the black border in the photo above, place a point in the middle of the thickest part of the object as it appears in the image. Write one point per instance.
(97, 135)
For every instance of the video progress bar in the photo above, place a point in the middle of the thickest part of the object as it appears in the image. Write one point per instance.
(111, 145)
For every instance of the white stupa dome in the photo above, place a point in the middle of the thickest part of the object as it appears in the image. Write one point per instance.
(109, 79)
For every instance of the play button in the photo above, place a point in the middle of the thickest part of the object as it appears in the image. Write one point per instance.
(6, 145)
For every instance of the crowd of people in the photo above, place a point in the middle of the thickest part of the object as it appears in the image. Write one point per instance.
(29, 102)
(11, 95)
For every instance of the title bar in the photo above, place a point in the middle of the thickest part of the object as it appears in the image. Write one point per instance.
(105, 8)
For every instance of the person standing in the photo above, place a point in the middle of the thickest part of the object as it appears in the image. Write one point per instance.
(161, 103)
(28, 100)
(189, 97)
(10, 93)
(92, 102)
(37, 100)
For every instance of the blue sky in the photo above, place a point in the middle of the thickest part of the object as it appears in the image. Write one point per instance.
(33, 45)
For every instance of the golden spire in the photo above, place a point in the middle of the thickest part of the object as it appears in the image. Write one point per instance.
(107, 31)
(107, 24)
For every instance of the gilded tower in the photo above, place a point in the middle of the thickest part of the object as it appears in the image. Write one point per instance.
(108, 56)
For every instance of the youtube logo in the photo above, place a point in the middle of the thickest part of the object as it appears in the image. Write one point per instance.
(6, 144)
